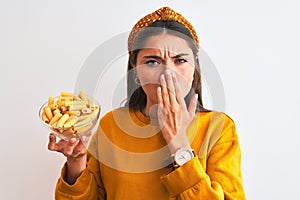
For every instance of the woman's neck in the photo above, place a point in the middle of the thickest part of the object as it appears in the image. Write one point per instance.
(150, 109)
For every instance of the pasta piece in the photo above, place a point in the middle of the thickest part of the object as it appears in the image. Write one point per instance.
(50, 101)
(95, 112)
(67, 103)
(93, 107)
(63, 108)
(72, 117)
(80, 102)
(84, 120)
(66, 94)
(70, 122)
(48, 112)
(53, 106)
(58, 101)
(82, 95)
(54, 124)
(62, 120)
(60, 130)
(90, 102)
(55, 111)
(77, 107)
(56, 117)
(82, 117)
(86, 111)
(44, 118)
(76, 113)
(84, 128)
(69, 131)
(66, 98)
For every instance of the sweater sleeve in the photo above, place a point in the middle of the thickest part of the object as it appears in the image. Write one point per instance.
(222, 178)
(88, 185)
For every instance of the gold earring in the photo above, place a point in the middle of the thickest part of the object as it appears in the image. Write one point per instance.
(137, 80)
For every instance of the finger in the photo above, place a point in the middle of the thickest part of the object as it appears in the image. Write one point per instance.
(79, 153)
(52, 142)
(159, 97)
(179, 97)
(164, 91)
(169, 81)
(79, 150)
(88, 134)
(70, 146)
(170, 87)
(160, 111)
(160, 103)
(56, 146)
(85, 139)
(193, 104)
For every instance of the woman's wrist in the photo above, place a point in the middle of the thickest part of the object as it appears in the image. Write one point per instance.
(180, 141)
(75, 166)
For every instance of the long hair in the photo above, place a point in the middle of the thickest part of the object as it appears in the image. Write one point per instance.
(136, 97)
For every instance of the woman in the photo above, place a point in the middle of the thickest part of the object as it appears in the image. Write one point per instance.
(162, 144)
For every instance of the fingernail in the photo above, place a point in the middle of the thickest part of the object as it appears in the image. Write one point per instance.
(83, 138)
(72, 140)
(173, 75)
(162, 77)
(159, 89)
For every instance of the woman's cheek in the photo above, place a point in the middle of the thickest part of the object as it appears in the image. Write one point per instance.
(149, 75)
(184, 85)
(185, 80)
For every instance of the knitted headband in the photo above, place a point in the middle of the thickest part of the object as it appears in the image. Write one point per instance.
(164, 13)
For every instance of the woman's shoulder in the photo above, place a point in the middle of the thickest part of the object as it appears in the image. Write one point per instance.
(115, 111)
(116, 114)
(212, 116)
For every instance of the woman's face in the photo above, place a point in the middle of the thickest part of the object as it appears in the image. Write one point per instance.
(160, 53)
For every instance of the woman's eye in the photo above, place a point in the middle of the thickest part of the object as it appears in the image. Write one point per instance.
(181, 60)
(152, 63)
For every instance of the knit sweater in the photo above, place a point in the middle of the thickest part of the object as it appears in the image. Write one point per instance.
(129, 159)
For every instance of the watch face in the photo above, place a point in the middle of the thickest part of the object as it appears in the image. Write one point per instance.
(183, 155)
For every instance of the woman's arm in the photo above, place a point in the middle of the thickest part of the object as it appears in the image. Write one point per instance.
(87, 186)
(222, 178)
(75, 183)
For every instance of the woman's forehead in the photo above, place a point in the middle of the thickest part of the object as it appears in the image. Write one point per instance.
(166, 43)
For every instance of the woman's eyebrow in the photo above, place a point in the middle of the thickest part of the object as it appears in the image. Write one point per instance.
(154, 57)
(181, 55)
(158, 57)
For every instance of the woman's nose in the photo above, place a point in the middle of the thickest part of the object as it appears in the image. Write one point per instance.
(169, 65)
(171, 69)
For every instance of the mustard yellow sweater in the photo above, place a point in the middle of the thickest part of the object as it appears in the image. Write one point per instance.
(128, 159)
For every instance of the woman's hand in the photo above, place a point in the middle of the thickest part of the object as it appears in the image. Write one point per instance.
(76, 152)
(173, 116)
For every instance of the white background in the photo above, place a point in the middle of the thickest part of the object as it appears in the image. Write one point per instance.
(254, 45)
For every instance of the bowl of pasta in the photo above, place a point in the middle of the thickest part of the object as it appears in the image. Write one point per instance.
(70, 115)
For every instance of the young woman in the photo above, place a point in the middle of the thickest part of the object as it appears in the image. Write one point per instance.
(163, 144)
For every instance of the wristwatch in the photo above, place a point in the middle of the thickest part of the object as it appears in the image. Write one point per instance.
(181, 156)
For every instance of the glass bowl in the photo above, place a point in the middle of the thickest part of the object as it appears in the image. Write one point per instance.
(83, 122)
